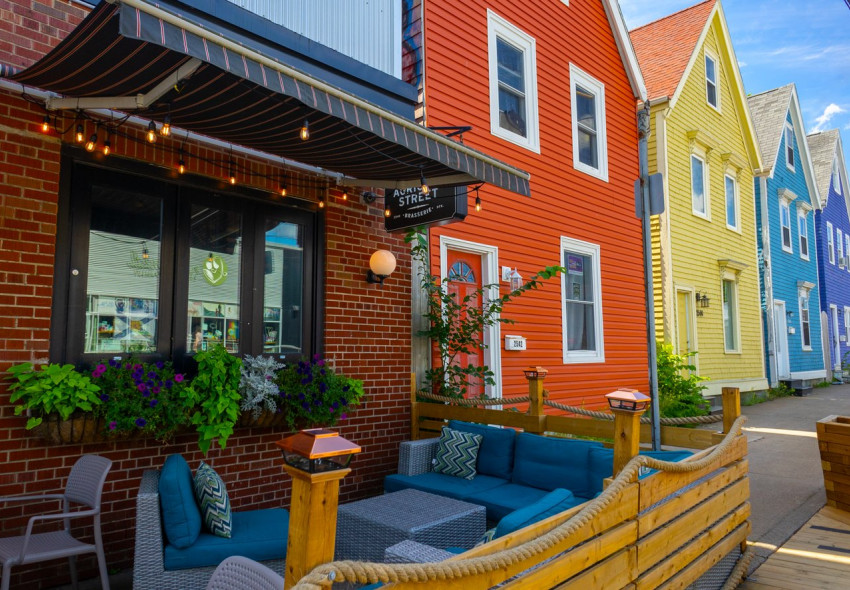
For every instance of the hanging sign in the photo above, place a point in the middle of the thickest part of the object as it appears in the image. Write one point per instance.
(215, 271)
(410, 208)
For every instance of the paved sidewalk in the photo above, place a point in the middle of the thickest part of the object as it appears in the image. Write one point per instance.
(786, 481)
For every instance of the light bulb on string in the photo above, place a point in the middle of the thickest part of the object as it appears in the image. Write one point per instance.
(321, 201)
(344, 195)
(107, 146)
(151, 132)
(477, 203)
(91, 143)
(45, 124)
(181, 166)
(165, 130)
(283, 190)
(425, 189)
(232, 175)
(79, 137)
(387, 211)
(145, 253)
(305, 131)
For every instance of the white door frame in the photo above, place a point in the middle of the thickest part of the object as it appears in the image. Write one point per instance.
(490, 276)
(780, 340)
(692, 318)
(836, 342)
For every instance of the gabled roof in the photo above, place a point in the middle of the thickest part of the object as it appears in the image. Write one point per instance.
(769, 111)
(664, 47)
(668, 48)
(825, 147)
(624, 45)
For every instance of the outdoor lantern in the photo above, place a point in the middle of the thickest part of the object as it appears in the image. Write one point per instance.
(535, 372)
(628, 399)
(516, 280)
(317, 450)
(381, 265)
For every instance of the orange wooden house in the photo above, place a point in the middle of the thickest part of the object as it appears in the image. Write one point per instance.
(550, 87)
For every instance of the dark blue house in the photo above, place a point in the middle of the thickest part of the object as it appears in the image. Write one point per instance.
(786, 196)
(833, 227)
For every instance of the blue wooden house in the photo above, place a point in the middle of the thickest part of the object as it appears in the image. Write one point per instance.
(786, 199)
(833, 245)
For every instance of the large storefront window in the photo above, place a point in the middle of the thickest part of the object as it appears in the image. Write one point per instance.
(162, 270)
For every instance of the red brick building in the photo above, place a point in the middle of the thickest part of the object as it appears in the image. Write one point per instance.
(78, 227)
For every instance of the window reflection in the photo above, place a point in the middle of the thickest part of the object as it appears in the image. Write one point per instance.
(283, 288)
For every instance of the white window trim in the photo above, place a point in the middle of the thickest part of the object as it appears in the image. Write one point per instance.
(847, 324)
(803, 213)
(578, 77)
(830, 242)
(702, 157)
(783, 205)
(583, 356)
(731, 275)
(846, 250)
(499, 27)
(839, 239)
(734, 179)
(803, 291)
(710, 55)
(836, 177)
(490, 276)
(788, 128)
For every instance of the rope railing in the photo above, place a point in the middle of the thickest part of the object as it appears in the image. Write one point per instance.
(369, 573)
(504, 401)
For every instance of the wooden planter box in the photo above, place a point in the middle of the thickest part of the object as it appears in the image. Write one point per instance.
(834, 445)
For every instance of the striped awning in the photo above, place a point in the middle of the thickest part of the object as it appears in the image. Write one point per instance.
(233, 89)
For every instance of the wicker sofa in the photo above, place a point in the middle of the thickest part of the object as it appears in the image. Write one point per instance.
(154, 569)
(513, 470)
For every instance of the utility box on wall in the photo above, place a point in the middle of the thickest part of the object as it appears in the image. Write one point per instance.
(514, 343)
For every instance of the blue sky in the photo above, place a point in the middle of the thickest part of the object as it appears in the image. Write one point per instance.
(776, 42)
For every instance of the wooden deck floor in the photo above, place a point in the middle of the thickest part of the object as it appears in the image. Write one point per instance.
(816, 557)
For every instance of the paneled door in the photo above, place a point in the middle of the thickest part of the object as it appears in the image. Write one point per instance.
(464, 279)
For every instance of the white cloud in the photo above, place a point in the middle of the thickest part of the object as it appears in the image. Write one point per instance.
(828, 113)
(742, 64)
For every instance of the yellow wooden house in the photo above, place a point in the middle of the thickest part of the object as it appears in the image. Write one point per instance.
(704, 244)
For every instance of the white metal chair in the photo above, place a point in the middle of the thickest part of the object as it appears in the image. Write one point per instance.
(84, 486)
(241, 573)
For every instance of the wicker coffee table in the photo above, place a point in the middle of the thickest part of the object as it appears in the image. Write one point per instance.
(366, 528)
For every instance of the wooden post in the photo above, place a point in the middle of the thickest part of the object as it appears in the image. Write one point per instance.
(535, 376)
(414, 409)
(312, 521)
(626, 436)
(731, 407)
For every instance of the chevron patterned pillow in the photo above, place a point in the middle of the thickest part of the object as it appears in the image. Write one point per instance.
(213, 501)
(457, 453)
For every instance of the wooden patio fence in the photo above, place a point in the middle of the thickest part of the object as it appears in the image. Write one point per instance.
(663, 531)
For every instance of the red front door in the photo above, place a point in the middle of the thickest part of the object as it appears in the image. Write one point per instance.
(464, 274)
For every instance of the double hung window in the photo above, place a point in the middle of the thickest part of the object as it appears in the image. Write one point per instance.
(731, 202)
(699, 186)
(582, 303)
(711, 88)
(789, 147)
(785, 224)
(730, 315)
(588, 124)
(805, 330)
(803, 229)
(830, 242)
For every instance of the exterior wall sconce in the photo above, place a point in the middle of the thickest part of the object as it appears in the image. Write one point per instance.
(630, 400)
(702, 299)
(381, 265)
(516, 280)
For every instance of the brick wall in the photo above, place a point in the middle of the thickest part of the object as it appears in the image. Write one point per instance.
(366, 331)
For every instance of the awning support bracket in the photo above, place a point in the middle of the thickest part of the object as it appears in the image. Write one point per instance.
(127, 103)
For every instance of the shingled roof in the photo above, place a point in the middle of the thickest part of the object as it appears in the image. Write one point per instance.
(822, 148)
(664, 47)
(769, 110)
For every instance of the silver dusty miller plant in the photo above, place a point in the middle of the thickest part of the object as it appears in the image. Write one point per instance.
(257, 385)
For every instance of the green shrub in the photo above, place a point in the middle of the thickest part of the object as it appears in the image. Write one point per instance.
(214, 395)
(54, 388)
(679, 387)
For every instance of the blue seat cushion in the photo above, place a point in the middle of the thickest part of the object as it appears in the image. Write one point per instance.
(443, 485)
(181, 518)
(601, 464)
(549, 463)
(503, 500)
(257, 534)
(496, 455)
(550, 504)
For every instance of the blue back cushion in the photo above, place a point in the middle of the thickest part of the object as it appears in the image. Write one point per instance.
(552, 503)
(496, 455)
(548, 463)
(181, 518)
(601, 464)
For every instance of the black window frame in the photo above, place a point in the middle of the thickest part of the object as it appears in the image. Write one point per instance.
(179, 192)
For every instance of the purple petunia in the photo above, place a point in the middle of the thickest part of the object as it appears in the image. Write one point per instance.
(323, 387)
(159, 364)
(305, 405)
(140, 422)
(142, 387)
(169, 384)
(320, 363)
(155, 390)
(112, 425)
(178, 377)
(343, 416)
(104, 397)
(153, 403)
(114, 363)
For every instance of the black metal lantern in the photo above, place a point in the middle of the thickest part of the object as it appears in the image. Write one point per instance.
(628, 399)
(317, 450)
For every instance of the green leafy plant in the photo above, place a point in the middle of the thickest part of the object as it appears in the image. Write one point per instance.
(679, 387)
(456, 324)
(312, 394)
(137, 396)
(214, 395)
(781, 390)
(53, 388)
